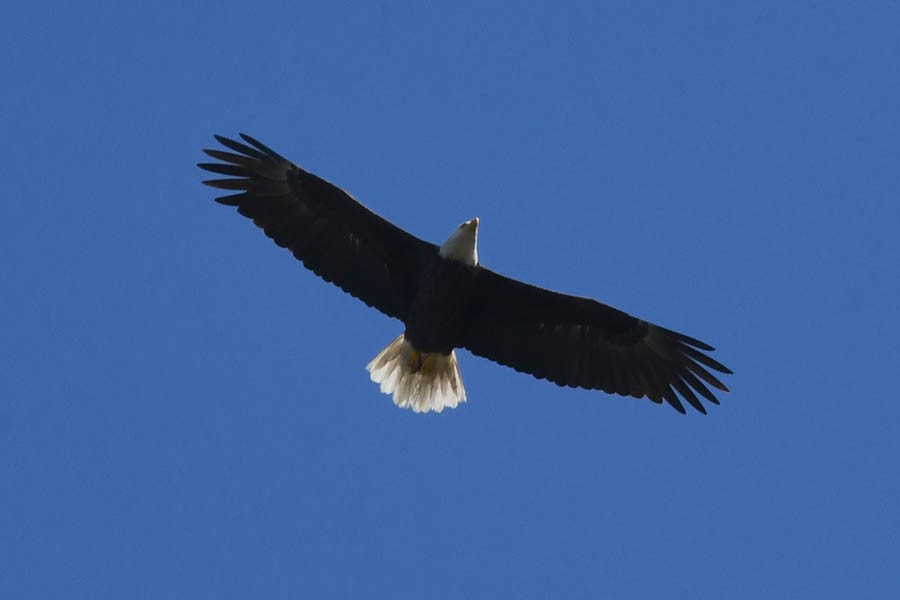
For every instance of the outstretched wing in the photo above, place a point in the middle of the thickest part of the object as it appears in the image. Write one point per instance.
(335, 236)
(580, 342)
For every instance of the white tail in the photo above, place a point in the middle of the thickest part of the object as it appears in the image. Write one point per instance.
(422, 381)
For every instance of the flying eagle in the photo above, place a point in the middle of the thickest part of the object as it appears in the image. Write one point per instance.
(447, 300)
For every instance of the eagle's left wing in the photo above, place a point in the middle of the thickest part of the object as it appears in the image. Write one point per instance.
(580, 342)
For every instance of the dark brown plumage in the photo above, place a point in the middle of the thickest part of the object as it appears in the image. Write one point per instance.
(571, 341)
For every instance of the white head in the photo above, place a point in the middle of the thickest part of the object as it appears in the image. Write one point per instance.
(462, 245)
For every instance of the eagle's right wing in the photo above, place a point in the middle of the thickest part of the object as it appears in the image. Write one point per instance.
(335, 236)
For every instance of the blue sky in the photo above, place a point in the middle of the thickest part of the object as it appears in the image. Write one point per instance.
(184, 411)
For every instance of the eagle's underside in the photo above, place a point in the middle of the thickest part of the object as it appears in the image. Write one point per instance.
(448, 300)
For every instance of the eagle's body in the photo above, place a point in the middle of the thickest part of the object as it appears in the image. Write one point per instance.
(440, 307)
(447, 300)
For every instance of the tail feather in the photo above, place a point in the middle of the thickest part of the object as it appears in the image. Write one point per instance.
(421, 381)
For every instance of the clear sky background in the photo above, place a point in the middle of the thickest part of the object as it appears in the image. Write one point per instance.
(184, 411)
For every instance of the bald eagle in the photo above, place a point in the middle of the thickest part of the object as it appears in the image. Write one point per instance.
(446, 299)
